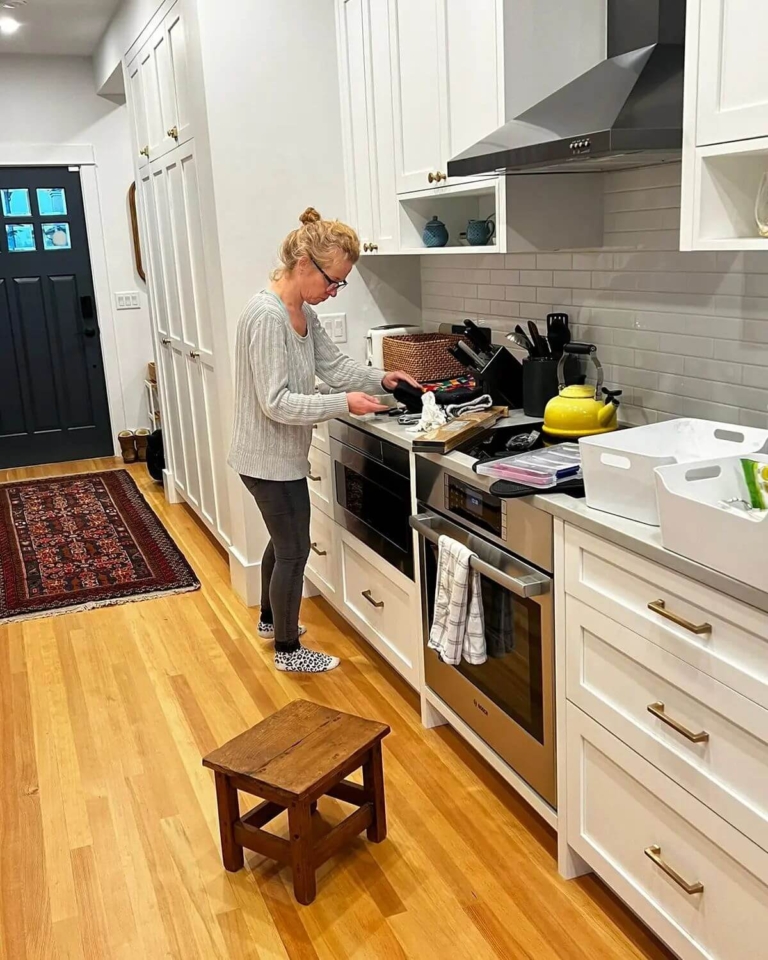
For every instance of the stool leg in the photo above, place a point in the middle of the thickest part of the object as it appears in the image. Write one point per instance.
(373, 781)
(302, 852)
(229, 814)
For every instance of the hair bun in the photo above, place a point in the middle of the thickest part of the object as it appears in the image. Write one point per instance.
(310, 215)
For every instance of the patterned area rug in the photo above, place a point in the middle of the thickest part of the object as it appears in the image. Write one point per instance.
(83, 541)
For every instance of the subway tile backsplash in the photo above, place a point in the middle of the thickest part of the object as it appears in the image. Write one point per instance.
(683, 334)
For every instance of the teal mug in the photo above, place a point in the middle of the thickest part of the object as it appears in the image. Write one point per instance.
(480, 232)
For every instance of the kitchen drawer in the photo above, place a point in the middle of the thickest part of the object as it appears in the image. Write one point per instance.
(379, 601)
(619, 806)
(733, 644)
(615, 675)
(321, 439)
(323, 563)
(321, 481)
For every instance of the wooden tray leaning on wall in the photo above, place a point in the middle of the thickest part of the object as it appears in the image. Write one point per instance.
(135, 232)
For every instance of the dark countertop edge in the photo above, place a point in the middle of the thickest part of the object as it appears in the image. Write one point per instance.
(603, 525)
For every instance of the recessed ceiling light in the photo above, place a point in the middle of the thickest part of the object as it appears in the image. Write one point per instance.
(8, 25)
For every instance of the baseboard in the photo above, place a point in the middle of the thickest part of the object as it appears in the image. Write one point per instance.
(245, 578)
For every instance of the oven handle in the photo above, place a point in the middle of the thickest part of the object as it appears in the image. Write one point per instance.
(533, 584)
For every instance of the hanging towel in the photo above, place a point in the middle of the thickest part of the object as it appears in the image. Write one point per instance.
(458, 629)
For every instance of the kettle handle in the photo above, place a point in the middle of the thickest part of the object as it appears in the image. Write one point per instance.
(583, 350)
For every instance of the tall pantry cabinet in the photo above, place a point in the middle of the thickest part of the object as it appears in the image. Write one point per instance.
(191, 355)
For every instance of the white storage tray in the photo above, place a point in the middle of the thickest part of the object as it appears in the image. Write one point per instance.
(618, 467)
(695, 524)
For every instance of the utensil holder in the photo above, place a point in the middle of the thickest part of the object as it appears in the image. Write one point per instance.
(540, 382)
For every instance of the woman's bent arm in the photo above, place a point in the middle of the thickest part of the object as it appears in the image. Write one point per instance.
(337, 369)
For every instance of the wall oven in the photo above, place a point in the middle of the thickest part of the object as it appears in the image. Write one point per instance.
(509, 700)
(372, 493)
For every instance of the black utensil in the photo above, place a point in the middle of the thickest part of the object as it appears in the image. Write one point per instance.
(479, 337)
(525, 341)
(540, 348)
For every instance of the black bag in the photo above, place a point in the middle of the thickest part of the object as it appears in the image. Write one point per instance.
(156, 456)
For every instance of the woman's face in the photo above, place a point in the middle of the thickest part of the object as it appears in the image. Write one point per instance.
(319, 282)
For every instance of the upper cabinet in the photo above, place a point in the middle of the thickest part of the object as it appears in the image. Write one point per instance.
(725, 129)
(732, 79)
(159, 91)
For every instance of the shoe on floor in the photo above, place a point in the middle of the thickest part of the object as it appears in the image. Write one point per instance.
(267, 630)
(305, 661)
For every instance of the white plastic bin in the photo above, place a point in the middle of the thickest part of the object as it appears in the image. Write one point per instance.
(618, 467)
(696, 524)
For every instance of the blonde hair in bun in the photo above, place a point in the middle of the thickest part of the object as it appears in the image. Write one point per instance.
(319, 240)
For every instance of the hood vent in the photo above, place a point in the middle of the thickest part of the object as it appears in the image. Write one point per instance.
(625, 112)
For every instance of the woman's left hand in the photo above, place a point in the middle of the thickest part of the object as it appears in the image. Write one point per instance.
(391, 380)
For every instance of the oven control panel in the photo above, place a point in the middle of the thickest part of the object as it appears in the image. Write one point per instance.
(466, 502)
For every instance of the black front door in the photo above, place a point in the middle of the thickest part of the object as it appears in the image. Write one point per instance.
(53, 396)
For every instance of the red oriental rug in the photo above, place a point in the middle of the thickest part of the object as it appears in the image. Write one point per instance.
(84, 541)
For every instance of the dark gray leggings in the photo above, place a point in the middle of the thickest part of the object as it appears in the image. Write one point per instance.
(284, 505)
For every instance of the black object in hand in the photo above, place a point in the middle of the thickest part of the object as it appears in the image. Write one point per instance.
(409, 396)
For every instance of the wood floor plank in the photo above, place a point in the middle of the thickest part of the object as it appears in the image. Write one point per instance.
(108, 822)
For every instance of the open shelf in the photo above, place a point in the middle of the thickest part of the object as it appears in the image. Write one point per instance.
(455, 206)
(727, 180)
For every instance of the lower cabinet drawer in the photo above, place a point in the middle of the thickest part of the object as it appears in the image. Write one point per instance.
(694, 879)
(379, 607)
(705, 736)
(320, 481)
(321, 438)
(323, 563)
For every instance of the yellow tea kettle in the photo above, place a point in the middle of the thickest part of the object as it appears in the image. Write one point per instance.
(579, 410)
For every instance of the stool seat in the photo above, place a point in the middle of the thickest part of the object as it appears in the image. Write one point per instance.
(291, 759)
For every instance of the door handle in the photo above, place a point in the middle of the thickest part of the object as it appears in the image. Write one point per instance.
(657, 710)
(660, 607)
(194, 354)
(374, 603)
(314, 479)
(320, 553)
(165, 341)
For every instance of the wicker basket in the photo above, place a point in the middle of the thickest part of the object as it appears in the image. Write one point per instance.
(424, 355)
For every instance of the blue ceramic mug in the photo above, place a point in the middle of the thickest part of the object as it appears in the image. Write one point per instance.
(480, 232)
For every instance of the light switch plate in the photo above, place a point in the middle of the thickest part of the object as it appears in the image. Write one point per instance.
(335, 325)
(128, 300)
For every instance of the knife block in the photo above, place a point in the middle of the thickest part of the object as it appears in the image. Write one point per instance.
(502, 378)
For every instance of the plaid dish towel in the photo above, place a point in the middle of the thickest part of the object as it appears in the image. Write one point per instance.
(458, 628)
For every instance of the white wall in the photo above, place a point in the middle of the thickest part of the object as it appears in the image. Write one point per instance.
(683, 334)
(126, 25)
(52, 100)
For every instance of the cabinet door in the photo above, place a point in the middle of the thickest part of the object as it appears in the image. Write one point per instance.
(354, 85)
(381, 133)
(732, 80)
(417, 62)
(136, 100)
(178, 82)
(471, 78)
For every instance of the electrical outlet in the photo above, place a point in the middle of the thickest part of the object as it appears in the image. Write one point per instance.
(128, 300)
(335, 325)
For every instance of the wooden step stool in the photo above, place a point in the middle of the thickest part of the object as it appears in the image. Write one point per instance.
(291, 759)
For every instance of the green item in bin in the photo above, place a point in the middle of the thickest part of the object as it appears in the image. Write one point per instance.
(756, 476)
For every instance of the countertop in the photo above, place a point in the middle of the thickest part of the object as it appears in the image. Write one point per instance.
(637, 537)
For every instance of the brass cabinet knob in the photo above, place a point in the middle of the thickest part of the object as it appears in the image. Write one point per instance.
(373, 246)
(173, 132)
(194, 354)
(165, 341)
(144, 152)
(366, 247)
(437, 177)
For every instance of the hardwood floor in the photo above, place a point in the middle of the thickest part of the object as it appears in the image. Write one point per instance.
(108, 826)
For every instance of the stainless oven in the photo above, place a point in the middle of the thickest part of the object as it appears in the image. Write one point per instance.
(372, 493)
(508, 700)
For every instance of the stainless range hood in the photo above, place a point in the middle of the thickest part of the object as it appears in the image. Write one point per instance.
(625, 112)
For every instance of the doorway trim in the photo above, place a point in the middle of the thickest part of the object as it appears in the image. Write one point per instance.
(82, 156)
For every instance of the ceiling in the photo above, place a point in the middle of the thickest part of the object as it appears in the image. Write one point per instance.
(64, 27)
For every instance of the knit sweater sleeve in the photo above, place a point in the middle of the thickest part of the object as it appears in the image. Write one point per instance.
(337, 369)
(270, 367)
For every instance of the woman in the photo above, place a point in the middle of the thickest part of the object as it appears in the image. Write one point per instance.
(281, 349)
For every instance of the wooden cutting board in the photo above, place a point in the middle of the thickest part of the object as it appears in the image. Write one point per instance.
(450, 435)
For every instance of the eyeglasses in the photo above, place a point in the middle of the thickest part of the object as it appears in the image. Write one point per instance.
(332, 284)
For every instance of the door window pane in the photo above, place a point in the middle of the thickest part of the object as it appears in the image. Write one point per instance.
(21, 237)
(51, 201)
(15, 203)
(56, 236)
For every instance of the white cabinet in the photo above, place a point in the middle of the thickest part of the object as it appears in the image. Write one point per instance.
(323, 563)
(159, 90)
(367, 123)
(732, 80)
(320, 481)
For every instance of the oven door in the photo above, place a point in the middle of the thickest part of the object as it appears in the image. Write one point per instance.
(373, 502)
(508, 700)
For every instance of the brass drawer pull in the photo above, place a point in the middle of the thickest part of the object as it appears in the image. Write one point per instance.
(314, 479)
(374, 603)
(657, 709)
(174, 132)
(144, 152)
(654, 853)
(165, 341)
(194, 354)
(660, 607)
(320, 553)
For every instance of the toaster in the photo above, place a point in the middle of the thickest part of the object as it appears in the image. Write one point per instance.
(374, 348)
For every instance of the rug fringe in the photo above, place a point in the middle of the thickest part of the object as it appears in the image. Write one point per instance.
(96, 604)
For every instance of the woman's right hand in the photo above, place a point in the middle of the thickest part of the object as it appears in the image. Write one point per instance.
(361, 403)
